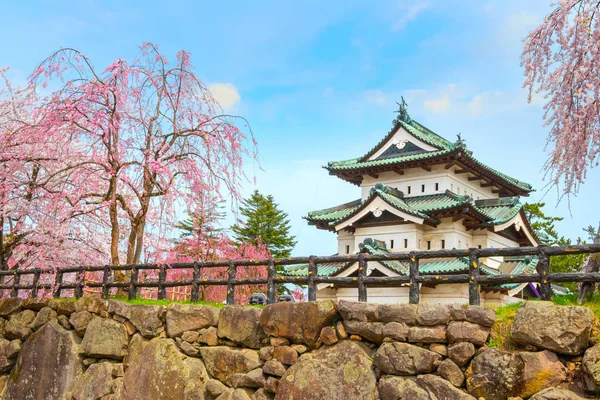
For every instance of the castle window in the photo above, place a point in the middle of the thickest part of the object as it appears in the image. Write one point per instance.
(391, 244)
(443, 244)
(437, 187)
(406, 243)
(429, 245)
(478, 246)
(408, 189)
(422, 188)
(347, 249)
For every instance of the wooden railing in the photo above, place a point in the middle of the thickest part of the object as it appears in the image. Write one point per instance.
(362, 281)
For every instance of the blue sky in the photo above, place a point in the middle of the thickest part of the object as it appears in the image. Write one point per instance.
(318, 81)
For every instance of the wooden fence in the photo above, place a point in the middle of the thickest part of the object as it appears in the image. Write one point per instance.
(362, 281)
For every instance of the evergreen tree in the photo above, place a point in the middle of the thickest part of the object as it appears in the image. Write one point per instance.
(543, 225)
(266, 223)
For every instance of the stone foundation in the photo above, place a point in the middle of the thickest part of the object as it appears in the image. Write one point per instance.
(96, 349)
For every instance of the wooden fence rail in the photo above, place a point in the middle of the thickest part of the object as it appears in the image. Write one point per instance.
(312, 279)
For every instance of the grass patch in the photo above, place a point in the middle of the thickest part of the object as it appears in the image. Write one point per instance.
(505, 316)
(152, 302)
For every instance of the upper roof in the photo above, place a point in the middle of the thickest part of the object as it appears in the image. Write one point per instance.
(412, 156)
(483, 213)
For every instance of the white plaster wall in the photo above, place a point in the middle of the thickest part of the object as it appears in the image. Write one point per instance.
(442, 294)
(416, 177)
(346, 239)
(397, 233)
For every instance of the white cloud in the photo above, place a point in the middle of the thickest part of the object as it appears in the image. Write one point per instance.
(226, 94)
(375, 97)
(440, 105)
(409, 13)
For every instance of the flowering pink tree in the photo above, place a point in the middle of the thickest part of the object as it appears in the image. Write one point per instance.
(205, 243)
(38, 227)
(148, 141)
(562, 61)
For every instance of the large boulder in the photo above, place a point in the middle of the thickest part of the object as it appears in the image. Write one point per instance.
(393, 387)
(372, 331)
(105, 338)
(300, 323)
(189, 317)
(223, 362)
(464, 331)
(96, 382)
(358, 311)
(146, 319)
(18, 325)
(396, 358)
(432, 314)
(541, 369)
(402, 313)
(562, 329)
(495, 375)
(241, 325)
(439, 388)
(556, 394)
(591, 368)
(339, 372)
(423, 387)
(475, 314)
(164, 373)
(47, 367)
(10, 305)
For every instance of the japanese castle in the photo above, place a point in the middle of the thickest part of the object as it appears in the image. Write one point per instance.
(420, 191)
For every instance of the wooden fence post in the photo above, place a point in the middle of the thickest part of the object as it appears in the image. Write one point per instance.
(162, 276)
(362, 273)
(105, 281)
(16, 280)
(414, 291)
(232, 270)
(271, 289)
(195, 283)
(312, 273)
(474, 295)
(133, 283)
(36, 279)
(543, 269)
(78, 292)
(57, 284)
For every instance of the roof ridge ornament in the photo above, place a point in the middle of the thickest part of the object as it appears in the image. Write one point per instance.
(402, 113)
(460, 142)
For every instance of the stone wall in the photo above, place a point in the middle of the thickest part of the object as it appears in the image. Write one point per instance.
(95, 349)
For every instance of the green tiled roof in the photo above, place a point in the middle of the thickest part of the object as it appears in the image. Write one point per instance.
(422, 133)
(433, 266)
(389, 195)
(503, 211)
(355, 163)
(493, 211)
(526, 265)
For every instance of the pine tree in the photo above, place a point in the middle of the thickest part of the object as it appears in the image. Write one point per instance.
(266, 223)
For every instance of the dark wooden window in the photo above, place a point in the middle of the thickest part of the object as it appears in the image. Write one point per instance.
(437, 187)
(406, 243)
(347, 249)
(429, 245)
(408, 190)
(422, 188)
(443, 244)
(391, 244)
